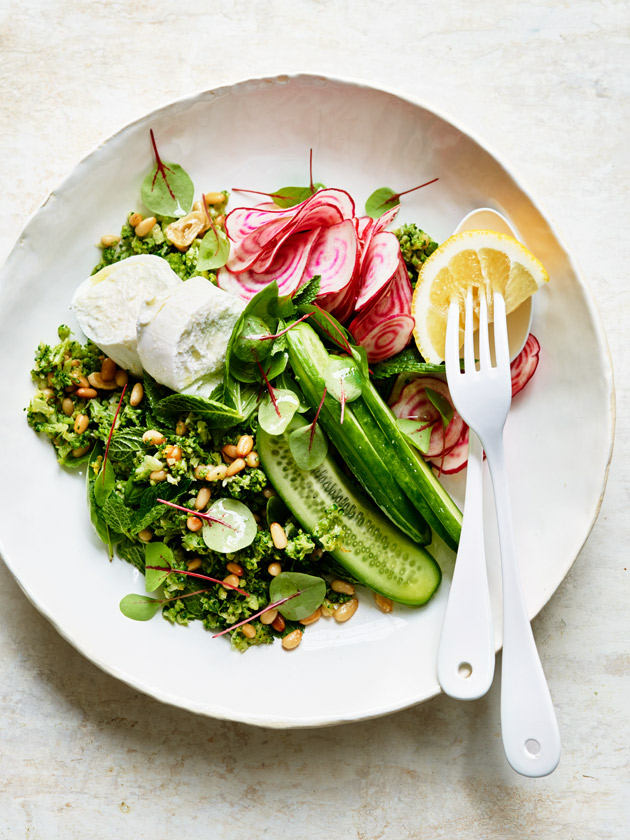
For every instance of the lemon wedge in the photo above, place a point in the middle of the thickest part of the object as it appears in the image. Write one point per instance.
(481, 260)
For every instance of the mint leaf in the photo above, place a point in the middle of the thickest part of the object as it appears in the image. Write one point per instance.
(308, 292)
(217, 415)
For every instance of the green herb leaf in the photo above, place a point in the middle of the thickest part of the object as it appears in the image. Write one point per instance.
(442, 405)
(116, 514)
(408, 360)
(239, 529)
(124, 445)
(312, 593)
(290, 196)
(156, 554)
(132, 553)
(253, 343)
(139, 607)
(150, 509)
(380, 202)
(309, 446)
(214, 250)
(103, 487)
(242, 397)
(275, 415)
(215, 414)
(343, 379)
(416, 431)
(308, 292)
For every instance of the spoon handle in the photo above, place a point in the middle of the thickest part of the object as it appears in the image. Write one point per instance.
(466, 651)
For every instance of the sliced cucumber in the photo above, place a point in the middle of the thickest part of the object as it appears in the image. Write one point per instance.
(374, 551)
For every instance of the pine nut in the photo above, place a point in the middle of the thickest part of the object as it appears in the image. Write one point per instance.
(157, 476)
(235, 569)
(146, 535)
(67, 406)
(193, 564)
(217, 473)
(121, 377)
(81, 423)
(218, 222)
(75, 362)
(203, 497)
(137, 393)
(193, 523)
(145, 226)
(86, 393)
(197, 205)
(47, 393)
(229, 451)
(79, 451)
(253, 459)
(248, 630)
(274, 569)
(278, 536)
(278, 623)
(231, 581)
(268, 492)
(235, 467)
(311, 619)
(181, 428)
(346, 611)
(153, 437)
(108, 370)
(342, 586)
(135, 219)
(50, 377)
(109, 239)
(97, 381)
(244, 445)
(327, 610)
(292, 640)
(385, 605)
(214, 198)
(173, 454)
(269, 617)
(79, 380)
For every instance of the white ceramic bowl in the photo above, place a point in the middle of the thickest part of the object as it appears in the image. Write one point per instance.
(258, 134)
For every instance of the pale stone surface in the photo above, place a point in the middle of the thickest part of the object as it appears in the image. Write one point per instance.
(547, 84)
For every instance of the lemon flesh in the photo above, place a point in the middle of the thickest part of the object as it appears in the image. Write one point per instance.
(481, 260)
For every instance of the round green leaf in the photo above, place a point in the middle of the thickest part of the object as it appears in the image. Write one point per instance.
(416, 431)
(213, 251)
(156, 554)
(139, 607)
(343, 379)
(312, 593)
(238, 531)
(290, 196)
(169, 192)
(380, 201)
(275, 417)
(251, 343)
(308, 446)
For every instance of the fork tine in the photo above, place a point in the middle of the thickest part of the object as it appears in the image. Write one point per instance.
(502, 348)
(469, 349)
(452, 341)
(484, 338)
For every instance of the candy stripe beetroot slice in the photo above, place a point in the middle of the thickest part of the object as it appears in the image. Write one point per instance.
(395, 299)
(379, 266)
(456, 458)
(287, 270)
(414, 404)
(381, 223)
(244, 254)
(388, 338)
(334, 257)
(524, 365)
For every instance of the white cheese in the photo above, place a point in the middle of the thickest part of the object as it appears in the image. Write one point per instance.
(183, 335)
(107, 304)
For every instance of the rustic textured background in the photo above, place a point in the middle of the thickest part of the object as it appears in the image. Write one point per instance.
(547, 85)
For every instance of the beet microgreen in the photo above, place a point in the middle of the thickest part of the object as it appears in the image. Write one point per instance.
(273, 606)
(167, 570)
(208, 517)
(167, 190)
(158, 557)
(303, 594)
(442, 404)
(237, 527)
(275, 413)
(417, 432)
(343, 381)
(142, 608)
(384, 199)
(309, 446)
(214, 250)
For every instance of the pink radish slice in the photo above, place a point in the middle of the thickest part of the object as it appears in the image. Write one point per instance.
(456, 458)
(287, 270)
(334, 257)
(524, 365)
(394, 300)
(379, 266)
(414, 404)
(388, 338)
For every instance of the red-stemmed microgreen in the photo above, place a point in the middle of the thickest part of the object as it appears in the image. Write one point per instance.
(197, 575)
(111, 431)
(167, 189)
(385, 198)
(270, 388)
(285, 330)
(207, 516)
(256, 615)
(142, 608)
(310, 171)
(160, 167)
(316, 418)
(343, 344)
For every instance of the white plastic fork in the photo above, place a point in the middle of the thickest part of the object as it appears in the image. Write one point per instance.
(529, 728)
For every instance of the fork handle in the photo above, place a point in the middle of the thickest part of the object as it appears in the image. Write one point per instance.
(531, 738)
(466, 652)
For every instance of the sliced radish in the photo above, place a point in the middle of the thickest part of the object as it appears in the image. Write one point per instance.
(456, 458)
(414, 404)
(287, 270)
(524, 365)
(380, 263)
(388, 338)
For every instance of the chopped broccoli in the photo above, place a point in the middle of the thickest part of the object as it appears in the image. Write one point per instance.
(415, 246)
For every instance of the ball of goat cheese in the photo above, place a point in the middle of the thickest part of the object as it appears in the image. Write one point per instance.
(107, 304)
(183, 335)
